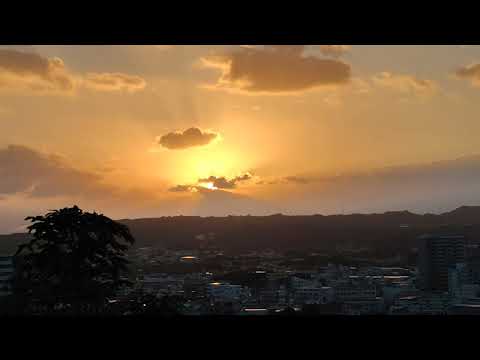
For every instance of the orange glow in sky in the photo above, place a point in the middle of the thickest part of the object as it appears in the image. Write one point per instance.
(302, 129)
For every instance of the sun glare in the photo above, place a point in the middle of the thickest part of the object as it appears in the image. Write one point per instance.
(208, 185)
(203, 163)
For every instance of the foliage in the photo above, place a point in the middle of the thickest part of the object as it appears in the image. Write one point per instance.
(74, 257)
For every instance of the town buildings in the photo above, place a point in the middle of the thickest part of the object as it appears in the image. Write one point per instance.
(6, 275)
(437, 253)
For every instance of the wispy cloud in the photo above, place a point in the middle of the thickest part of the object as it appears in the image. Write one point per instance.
(35, 74)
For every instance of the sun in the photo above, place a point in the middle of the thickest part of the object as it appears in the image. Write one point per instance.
(208, 185)
(202, 163)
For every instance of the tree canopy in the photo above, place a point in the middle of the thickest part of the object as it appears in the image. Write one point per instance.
(74, 257)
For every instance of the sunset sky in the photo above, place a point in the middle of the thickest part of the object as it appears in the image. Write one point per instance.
(147, 131)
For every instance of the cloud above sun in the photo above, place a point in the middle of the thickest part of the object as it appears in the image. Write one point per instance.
(276, 69)
(191, 137)
(32, 72)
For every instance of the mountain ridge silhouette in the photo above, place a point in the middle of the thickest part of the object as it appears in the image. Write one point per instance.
(391, 231)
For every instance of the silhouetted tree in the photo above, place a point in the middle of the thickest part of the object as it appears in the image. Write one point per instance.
(74, 258)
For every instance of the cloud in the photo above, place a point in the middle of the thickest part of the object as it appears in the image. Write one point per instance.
(406, 84)
(251, 46)
(223, 183)
(164, 47)
(275, 69)
(189, 138)
(114, 82)
(334, 51)
(217, 182)
(469, 72)
(32, 72)
(296, 179)
(427, 187)
(32, 178)
(25, 70)
(182, 188)
(287, 180)
(270, 182)
(244, 177)
(27, 171)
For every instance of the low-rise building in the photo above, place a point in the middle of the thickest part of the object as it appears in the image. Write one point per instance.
(405, 305)
(162, 284)
(464, 309)
(350, 289)
(435, 303)
(273, 296)
(314, 295)
(391, 292)
(7, 271)
(461, 284)
(373, 306)
(224, 292)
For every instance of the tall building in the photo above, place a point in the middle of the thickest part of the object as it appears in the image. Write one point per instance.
(437, 253)
(6, 275)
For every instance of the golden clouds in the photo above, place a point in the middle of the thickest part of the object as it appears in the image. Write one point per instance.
(276, 69)
(26, 71)
(297, 179)
(31, 174)
(164, 47)
(30, 71)
(223, 183)
(335, 51)
(114, 82)
(27, 171)
(181, 188)
(191, 137)
(212, 183)
(353, 113)
(408, 84)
